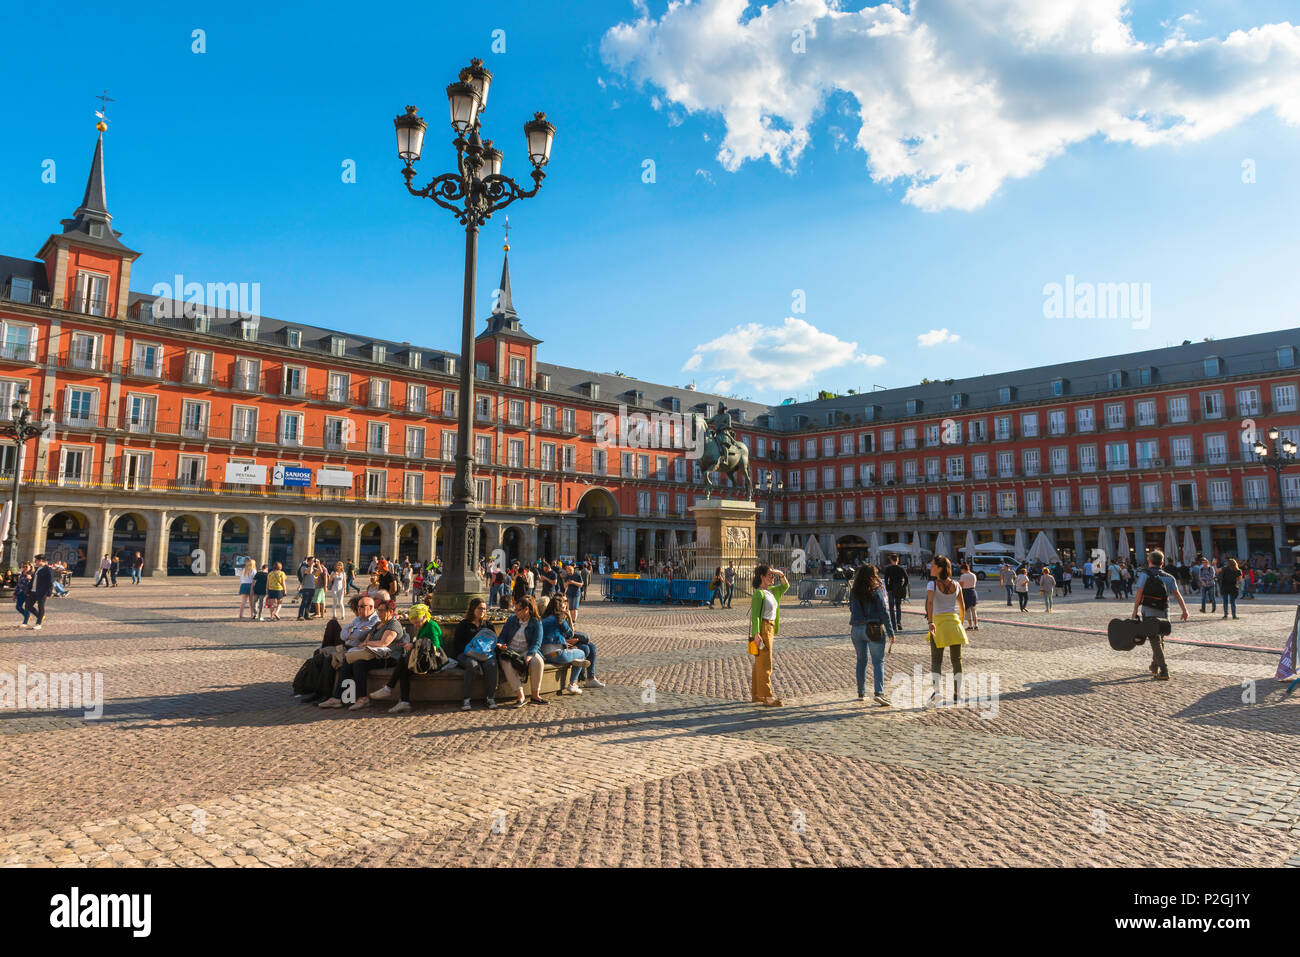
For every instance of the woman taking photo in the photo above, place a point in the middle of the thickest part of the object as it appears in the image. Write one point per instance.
(764, 622)
(944, 610)
(338, 587)
(321, 580)
(869, 622)
(385, 639)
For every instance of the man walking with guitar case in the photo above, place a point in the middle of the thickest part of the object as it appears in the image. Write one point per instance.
(1155, 586)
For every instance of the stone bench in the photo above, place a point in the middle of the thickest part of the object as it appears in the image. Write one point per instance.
(446, 686)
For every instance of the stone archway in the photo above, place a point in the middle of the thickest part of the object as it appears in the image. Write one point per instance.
(371, 542)
(67, 540)
(130, 534)
(280, 544)
(850, 548)
(328, 543)
(597, 516)
(184, 535)
(235, 544)
(512, 543)
(408, 543)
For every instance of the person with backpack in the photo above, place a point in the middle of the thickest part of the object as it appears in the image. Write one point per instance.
(869, 623)
(715, 590)
(729, 579)
(260, 578)
(1205, 575)
(1230, 578)
(1155, 586)
(895, 590)
(40, 589)
(769, 585)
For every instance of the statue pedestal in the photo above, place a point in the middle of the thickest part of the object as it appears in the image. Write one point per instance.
(724, 532)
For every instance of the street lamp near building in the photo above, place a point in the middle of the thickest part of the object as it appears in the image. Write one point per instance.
(472, 194)
(20, 428)
(1278, 456)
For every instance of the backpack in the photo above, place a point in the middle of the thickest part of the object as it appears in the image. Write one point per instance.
(1154, 594)
(315, 677)
(425, 657)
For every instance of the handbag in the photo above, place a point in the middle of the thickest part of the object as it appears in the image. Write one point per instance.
(483, 645)
(875, 631)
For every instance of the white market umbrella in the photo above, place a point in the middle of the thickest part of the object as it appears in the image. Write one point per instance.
(941, 544)
(1103, 541)
(1189, 546)
(763, 540)
(828, 546)
(1020, 549)
(1171, 544)
(916, 547)
(672, 542)
(1042, 551)
(993, 548)
(970, 546)
(873, 548)
(814, 550)
(1121, 550)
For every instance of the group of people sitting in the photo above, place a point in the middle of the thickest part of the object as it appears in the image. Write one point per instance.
(377, 638)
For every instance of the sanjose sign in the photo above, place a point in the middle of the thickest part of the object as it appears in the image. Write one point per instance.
(291, 476)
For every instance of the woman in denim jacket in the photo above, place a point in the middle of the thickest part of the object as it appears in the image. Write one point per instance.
(522, 634)
(868, 624)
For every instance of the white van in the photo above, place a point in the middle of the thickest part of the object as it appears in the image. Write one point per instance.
(988, 566)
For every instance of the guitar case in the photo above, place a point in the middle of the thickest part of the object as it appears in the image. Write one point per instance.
(1125, 634)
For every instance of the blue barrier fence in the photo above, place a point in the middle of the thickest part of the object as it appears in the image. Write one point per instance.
(658, 590)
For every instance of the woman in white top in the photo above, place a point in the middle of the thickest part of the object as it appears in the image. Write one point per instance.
(1021, 585)
(969, 596)
(338, 584)
(944, 609)
(246, 573)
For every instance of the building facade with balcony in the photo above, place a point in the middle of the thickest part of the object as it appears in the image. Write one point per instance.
(181, 425)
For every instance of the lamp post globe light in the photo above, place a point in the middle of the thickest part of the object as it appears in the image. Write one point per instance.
(20, 428)
(1278, 456)
(472, 194)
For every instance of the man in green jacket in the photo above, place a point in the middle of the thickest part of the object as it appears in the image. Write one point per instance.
(764, 623)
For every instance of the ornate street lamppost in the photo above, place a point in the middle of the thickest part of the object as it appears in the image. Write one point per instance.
(1277, 456)
(20, 428)
(472, 194)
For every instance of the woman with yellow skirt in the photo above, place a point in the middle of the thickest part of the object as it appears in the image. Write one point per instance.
(764, 622)
(945, 611)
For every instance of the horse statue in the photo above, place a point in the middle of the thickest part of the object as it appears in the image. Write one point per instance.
(724, 454)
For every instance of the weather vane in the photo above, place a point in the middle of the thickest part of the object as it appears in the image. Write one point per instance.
(102, 112)
(507, 229)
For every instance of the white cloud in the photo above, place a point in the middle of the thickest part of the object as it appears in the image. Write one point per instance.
(775, 357)
(953, 97)
(936, 337)
(705, 175)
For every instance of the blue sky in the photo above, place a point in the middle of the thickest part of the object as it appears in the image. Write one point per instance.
(226, 166)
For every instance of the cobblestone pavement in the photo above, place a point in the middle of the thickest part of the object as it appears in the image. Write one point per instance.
(1074, 758)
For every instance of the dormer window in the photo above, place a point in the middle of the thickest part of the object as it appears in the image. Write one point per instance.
(958, 400)
(913, 406)
(1115, 380)
(1213, 366)
(1146, 375)
(294, 338)
(1058, 387)
(1286, 357)
(413, 360)
(593, 390)
(97, 230)
(338, 345)
(377, 352)
(674, 404)
(201, 321)
(20, 290)
(543, 382)
(248, 330)
(1006, 394)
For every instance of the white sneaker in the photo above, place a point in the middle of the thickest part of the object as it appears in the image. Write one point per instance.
(573, 689)
(36, 627)
(464, 705)
(492, 705)
(399, 707)
(594, 683)
(382, 694)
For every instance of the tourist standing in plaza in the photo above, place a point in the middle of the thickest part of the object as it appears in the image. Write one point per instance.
(1229, 583)
(764, 623)
(1047, 588)
(259, 591)
(276, 580)
(869, 623)
(137, 568)
(320, 578)
(969, 595)
(1155, 586)
(105, 564)
(338, 588)
(572, 592)
(1021, 585)
(247, 572)
(895, 590)
(1007, 579)
(1067, 575)
(715, 589)
(113, 569)
(22, 585)
(1087, 574)
(1205, 575)
(41, 588)
(729, 579)
(943, 611)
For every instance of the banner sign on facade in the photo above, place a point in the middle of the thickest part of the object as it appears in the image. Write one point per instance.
(334, 478)
(244, 473)
(291, 476)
